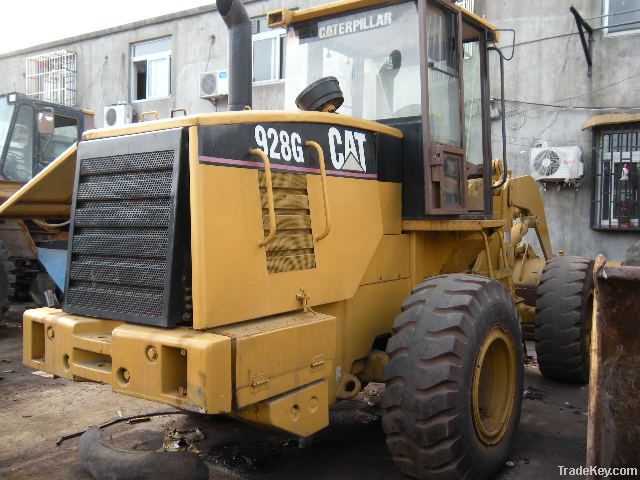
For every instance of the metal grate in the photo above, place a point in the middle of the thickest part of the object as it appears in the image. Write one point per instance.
(123, 231)
(130, 301)
(52, 77)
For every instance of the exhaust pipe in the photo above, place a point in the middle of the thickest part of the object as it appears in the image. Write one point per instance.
(240, 62)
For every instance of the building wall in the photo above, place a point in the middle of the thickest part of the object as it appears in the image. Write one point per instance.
(542, 71)
(549, 71)
(104, 62)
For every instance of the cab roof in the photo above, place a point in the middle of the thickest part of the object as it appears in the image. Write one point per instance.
(285, 17)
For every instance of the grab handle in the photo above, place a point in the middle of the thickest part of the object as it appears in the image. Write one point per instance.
(270, 204)
(325, 195)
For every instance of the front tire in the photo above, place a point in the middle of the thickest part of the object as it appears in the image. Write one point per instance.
(454, 379)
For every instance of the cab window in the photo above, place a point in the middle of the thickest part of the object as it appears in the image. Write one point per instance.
(444, 76)
(474, 71)
(65, 134)
(374, 54)
(18, 162)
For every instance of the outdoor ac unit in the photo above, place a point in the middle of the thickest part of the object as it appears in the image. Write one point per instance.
(556, 164)
(117, 115)
(214, 84)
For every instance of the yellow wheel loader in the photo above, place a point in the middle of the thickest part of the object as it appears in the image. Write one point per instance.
(267, 264)
(33, 133)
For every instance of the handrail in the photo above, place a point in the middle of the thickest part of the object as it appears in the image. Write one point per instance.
(325, 195)
(270, 203)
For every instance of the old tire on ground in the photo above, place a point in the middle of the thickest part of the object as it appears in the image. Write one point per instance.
(454, 379)
(563, 319)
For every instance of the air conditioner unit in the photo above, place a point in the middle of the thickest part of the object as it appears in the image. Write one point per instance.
(556, 164)
(214, 84)
(117, 115)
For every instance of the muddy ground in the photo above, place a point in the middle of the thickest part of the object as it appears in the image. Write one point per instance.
(35, 411)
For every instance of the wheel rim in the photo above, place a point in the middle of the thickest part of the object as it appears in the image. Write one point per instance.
(494, 385)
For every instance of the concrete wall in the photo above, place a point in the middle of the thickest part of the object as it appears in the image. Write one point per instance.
(549, 71)
(542, 71)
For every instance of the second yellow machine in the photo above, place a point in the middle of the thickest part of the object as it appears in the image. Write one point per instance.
(266, 264)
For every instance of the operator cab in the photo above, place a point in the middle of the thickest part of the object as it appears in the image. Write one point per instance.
(33, 133)
(419, 66)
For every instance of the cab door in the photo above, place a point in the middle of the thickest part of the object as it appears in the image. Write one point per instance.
(444, 153)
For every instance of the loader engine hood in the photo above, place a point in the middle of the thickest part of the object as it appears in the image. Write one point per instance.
(142, 215)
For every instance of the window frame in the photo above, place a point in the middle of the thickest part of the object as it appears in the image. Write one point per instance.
(168, 54)
(270, 33)
(612, 223)
(605, 24)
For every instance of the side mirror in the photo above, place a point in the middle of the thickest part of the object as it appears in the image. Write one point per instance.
(45, 120)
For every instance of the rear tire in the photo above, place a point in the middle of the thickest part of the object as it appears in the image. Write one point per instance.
(454, 379)
(563, 319)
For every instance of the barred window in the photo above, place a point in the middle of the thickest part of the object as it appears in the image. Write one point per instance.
(616, 204)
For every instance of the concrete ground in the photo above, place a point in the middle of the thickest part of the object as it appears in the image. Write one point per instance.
(35, 411)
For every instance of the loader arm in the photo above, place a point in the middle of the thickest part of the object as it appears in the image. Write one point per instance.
(524, 193)
(48, 194)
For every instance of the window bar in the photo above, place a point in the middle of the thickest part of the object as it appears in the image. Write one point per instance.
(597, 179)
(609, 174)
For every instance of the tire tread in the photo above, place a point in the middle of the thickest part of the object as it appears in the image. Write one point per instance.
(560, 322)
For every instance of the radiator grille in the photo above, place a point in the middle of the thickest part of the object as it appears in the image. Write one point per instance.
(122, 232)
(292, 248)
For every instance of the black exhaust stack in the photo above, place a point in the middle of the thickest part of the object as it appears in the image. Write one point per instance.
(240, 62)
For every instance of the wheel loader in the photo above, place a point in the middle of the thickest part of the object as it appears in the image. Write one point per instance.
(267, 264)
(33, 133)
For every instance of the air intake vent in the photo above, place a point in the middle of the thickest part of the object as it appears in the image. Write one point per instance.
(129, 230)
